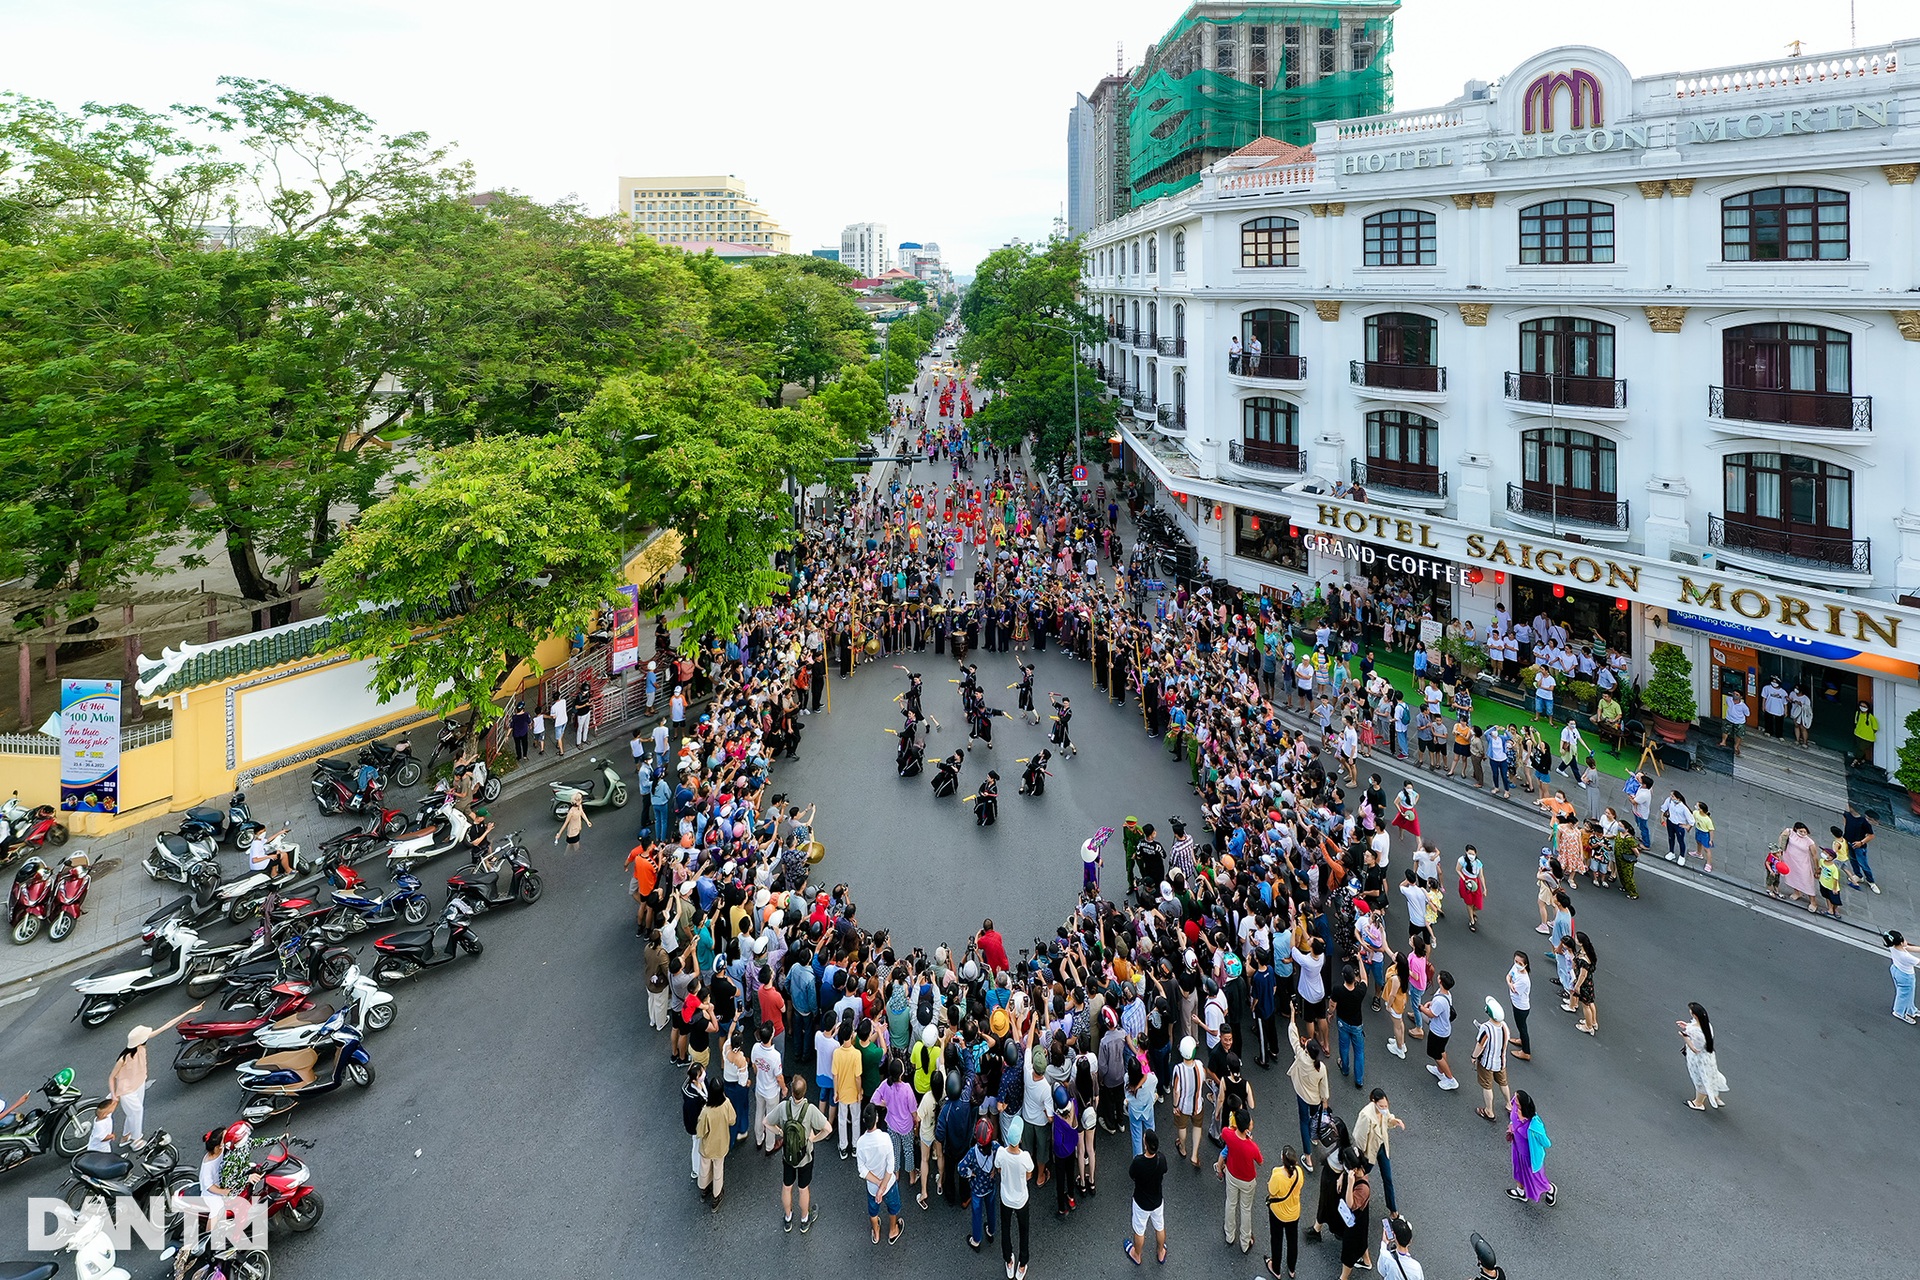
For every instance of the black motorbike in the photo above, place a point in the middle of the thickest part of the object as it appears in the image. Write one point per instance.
(404, 954)
(394, 760)
(148, 1168)
(61, 1126)
(504, 875)
(234, 824)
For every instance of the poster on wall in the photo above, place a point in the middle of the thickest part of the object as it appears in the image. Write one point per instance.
(90, 746)
(626, 629)
(1429, 631)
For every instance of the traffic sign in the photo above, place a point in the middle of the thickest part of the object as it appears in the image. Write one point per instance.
(1080, 473)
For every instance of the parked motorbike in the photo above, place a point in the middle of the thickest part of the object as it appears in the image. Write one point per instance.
(358, 906)
(453, 736)
(300, 948)
(147, 1169)
(241, 896)
(235, 824)
(207, 1260)
(368, 1007)
(486, 787)
(404, 954)
(212, 1041)
(17, 816)
(70, 894)
(338, 787)
(61, 1126)
(94, 1254)
(31, 900)
(41, 827)
(176, 855)
(394, 761)
(443, 829)
(600, 790)
(178, 955)
(274, 1082)
(504, 875)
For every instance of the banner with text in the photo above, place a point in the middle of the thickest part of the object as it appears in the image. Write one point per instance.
(90, 746)
(626, 629)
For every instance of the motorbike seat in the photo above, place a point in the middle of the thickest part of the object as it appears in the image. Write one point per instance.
(176, 844)
(299, 1061)
(125, 962)
(28, 1270)
(336, 764)
(102, 1166)
(414, 835)
(212, 817)
(305, 1018)
(478, 878)
(19, 1120)
(584, 786)
(410, 939)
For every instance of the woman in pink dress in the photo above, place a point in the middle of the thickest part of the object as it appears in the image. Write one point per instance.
(1796, 849)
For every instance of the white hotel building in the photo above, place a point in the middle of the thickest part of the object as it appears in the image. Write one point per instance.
(1649, 347)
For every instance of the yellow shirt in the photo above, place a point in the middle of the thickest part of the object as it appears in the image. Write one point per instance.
(1283, 1193)
(846, 1074)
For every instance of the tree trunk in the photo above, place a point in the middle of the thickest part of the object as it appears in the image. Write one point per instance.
(254, 585)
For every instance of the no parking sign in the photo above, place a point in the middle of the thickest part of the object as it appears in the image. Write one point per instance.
(1080, 475)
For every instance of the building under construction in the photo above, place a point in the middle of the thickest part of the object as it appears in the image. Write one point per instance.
(1224, 75)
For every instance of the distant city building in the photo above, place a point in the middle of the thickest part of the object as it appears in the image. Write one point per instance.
(831, 255)
(1080, 152)
(863, 246)
(703, 208)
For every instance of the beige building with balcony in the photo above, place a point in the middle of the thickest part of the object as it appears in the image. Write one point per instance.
(698, 209)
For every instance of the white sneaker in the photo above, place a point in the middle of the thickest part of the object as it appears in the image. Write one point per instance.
(1449, 1084)
(1671, 858)
(1434, 1071)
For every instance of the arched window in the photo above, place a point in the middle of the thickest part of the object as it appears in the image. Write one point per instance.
(1136, 257)
(1179, 322)
(1566, 231)
(1568, 475)
(1791, 374)
(1270, 433)
(1153, 322)
(1403, 452)
(1153, 253)
(1784, 224)
(1568, 360)
(1400, 353)
(1270, 344)
(1400, 238)
(1790, 506)
(1270, 242)
(1179, 251)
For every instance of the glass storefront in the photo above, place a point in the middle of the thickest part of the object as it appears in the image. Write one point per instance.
(1589, 618)
(1266, 538)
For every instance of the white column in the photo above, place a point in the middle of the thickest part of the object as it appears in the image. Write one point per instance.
(1680, 213)
(1667, 489)
(1461, 253)
(1900, 181)
(1471, 386)
(1650, 270)
(1907, 569)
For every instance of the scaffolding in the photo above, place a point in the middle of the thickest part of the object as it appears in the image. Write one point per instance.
(1205, 113)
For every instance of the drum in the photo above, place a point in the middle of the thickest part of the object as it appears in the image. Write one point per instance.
(873, 644)
(815, 852)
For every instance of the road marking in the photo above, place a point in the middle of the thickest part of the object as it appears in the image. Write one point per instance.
(18, 996)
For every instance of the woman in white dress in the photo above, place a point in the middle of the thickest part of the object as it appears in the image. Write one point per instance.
(1696, 1038)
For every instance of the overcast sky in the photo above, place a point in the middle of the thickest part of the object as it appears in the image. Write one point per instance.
(945, 121)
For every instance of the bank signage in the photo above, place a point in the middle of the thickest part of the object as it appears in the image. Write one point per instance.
(1835, 620)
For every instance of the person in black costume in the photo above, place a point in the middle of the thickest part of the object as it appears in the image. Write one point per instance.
(1034, 781)
(912, 758)
(946, 776)
(1026, 693)
(981, 726)
(1062, 717)
(986, 803)
(910, 700)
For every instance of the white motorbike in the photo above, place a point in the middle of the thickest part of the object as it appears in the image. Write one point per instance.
(91, 1244)
(363, 1005)
(239, 899)
(444, 831)
(18, 817)
(178, 855)
(178, 955)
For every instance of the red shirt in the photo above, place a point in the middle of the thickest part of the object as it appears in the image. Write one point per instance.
(994, 950)
(1243, 1155)
(773, 1009)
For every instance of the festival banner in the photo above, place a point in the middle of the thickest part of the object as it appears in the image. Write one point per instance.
(90, 745)
(626, 629)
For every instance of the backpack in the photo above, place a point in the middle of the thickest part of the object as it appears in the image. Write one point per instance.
(924, 1015)
(793, 1134)
(1359, 1194)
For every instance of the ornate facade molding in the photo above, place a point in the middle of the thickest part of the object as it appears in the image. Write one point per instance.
(1652, 190)
(1474, 314)
(1679, 188)
(1329, 311)
(1900, 175)
(1665, 319)
(1908, 322)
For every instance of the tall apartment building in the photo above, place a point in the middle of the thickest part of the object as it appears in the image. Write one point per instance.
(705, 207)
(863, 246)
(1080, 142)
(1635, 354)
(1223, 76)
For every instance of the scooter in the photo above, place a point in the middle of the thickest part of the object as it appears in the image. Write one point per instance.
(178, 955)
(281, 1184)
(367, 1007)
(69, 893)
(28, 904)
(337, 789)
(274, 1082)
(486, 787)
(444, 830)
(176, 854)
(94, 1255)
(357, 906)
(603, 789)
(404, 954)
(18, 817)
(211, 1042)
(62, 1126)
(235, 825)
(394, 761)
(241, 897)
(43, 828)
(300, 948)
(502, 876)
(148, 1168)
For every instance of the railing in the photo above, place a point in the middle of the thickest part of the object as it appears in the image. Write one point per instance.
(1373, 127)
(1397, 377)
(1120, 333)
(28, 744)
(1569, 389)
(1278, 368)
(1267, 455)
(1286, 177)
(1173, 346)
(1782, 75)
(1558, 504)
(1144, 407)
(1398, 477)
(1831, 410)
(1174, 416)
(1143, 339)
(1776, 543)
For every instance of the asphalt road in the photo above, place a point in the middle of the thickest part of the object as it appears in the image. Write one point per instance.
(525, 1122)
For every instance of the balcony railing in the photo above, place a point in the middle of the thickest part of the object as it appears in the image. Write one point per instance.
(1573, 508)
(1126, 393)
(1172, 416)
(1831, 410)
(1173, 346)
(1279, 368)
(1775, 543)
(1143, 339)
(1397, 377)
(1267, 455)
(1398, 477)
(1567, 389)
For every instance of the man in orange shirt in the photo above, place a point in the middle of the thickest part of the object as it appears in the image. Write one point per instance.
(645, 870)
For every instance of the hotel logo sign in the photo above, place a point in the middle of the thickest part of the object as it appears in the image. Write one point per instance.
(1584, 100)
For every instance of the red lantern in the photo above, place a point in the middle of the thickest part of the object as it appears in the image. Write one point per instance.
(1558, 591)
(1217, 510)
(1621, 604)
(1475, 576)
(1293, 530)
(1499, 577)
(1256, 524)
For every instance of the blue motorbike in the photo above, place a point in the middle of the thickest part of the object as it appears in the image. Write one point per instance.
(317, 1061)
(357, 905)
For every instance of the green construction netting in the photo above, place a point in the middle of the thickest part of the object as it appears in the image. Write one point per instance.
(1204, 109)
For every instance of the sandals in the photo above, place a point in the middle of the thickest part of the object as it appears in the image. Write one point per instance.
(1694, 1105)
(1484, 1115)
(1126, 1247)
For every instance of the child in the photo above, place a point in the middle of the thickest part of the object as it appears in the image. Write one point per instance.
(1829, 877)
(101, 1137)
(540, 731)
(1703, 833)
(1090, 859)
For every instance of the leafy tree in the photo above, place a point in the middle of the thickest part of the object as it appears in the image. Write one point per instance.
(450, 584)
(910, 290)
(1039, 403)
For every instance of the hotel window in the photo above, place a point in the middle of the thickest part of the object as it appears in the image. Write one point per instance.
(1561, 231)
(1400, 238)
(1362, 49)
(1290, 56)
(1153, 253)
(1270, 242)
(1327, 51)
(1179, 251)
(1792, 224)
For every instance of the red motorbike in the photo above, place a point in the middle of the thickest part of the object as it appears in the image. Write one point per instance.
(337, 789)
(69, 893)
(220, 1040)
(39, 827)
(31, 900)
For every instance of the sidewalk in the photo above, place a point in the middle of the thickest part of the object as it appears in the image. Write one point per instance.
(123, 894)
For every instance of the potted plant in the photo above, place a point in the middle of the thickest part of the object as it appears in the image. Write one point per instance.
(1471, 657)
(1581, 693)
(1668, 699)
(1907, 772)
